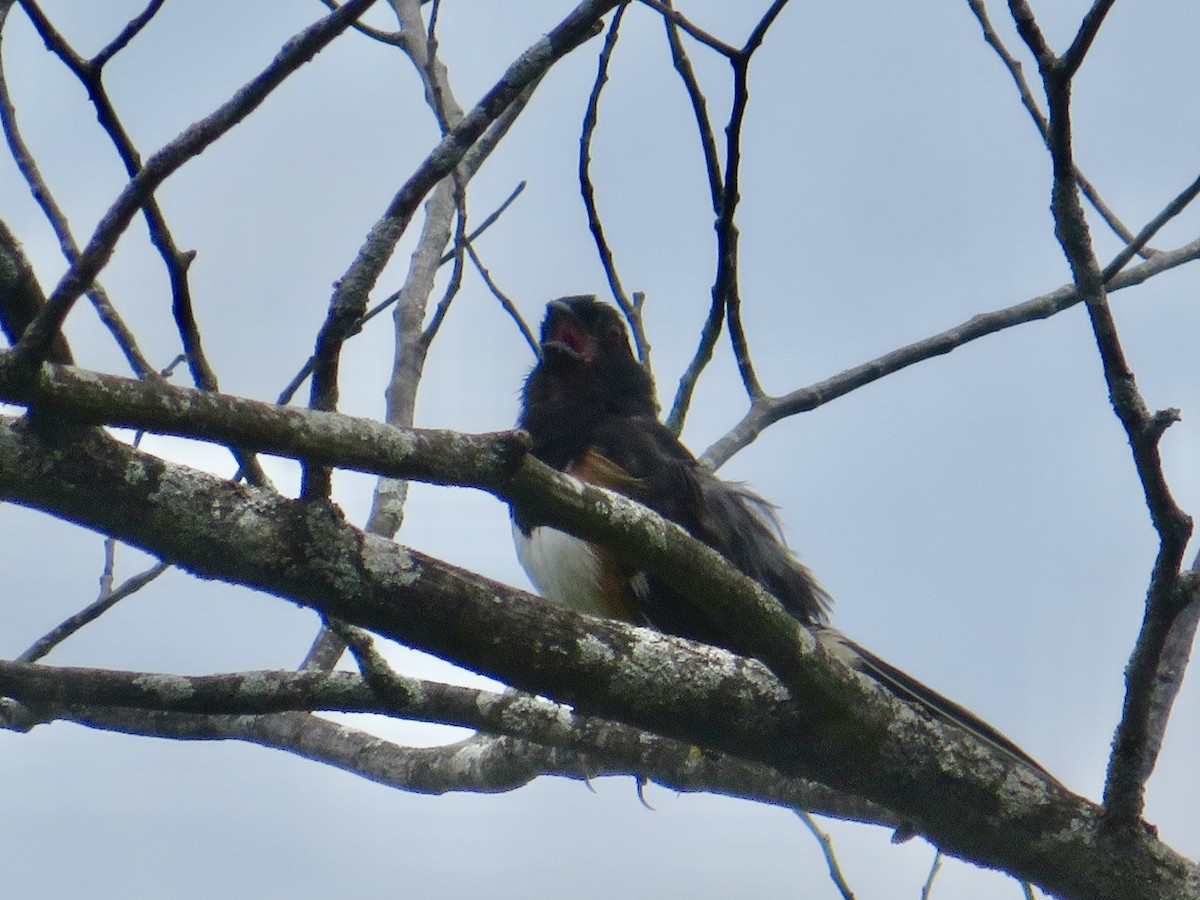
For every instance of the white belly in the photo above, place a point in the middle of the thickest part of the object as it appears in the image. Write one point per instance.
(562, 567)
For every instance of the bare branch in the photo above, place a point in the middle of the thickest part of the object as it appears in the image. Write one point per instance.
(708, 141)
(587, 190)
(1135, 245)
(29, 169)
(1088, 29)
(677, 21)
(106, 601)
(36, 341)
(393, 38)
(1135, 745)
(680, 689)
(350, 296)
(505, 301)
(1015, 70)
(927, 888)
(826, 845)
(553, 739)
(128, 33)
(769, 410)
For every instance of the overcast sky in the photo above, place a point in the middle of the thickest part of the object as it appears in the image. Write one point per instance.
(976, 517)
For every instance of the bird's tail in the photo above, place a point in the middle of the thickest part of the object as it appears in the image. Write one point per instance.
(914, 692)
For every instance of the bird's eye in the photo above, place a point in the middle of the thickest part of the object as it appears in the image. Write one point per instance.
(614, 335)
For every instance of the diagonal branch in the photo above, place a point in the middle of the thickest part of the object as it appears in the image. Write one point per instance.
(632, 311)
(676, 21)
(535, 736)
(1088, 29)
(350, 296)
(1134, 746)
(1027, 100)
(769, 410)
(844, 731)
(106, 601)
(299, 50)
(31, 172)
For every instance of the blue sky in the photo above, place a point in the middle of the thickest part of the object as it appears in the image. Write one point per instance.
(976, 517)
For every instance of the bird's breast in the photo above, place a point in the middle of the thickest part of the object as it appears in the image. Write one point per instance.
(574, 573)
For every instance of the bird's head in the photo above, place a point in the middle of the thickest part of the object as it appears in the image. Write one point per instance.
(585, 350)
(585, 343)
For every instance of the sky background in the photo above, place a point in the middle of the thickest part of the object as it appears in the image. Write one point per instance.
(976, 517)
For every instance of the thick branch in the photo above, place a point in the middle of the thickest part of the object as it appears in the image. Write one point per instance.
(842, 730)
(611, 748)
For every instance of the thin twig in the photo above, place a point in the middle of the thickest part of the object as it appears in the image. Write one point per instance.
(128, 33)
(393, 38)
(676, 20)
(769, 410)
(1013, 65)
(1136, 244)
(505, 302)
(927, 887)
(299, 50)
(826, 845)
(587, 191)
(456, 274)
(708, 141)
(726, 284)
(106, 601)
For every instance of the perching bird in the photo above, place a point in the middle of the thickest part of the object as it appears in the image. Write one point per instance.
(589, 408)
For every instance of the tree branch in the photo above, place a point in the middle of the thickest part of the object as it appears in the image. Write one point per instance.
(1134, 746)
(839, 728)
(769, 410)
(349, 299)
(1013, 65)
(299, 50)
(587, 190)
(107, 600)
(606, 747)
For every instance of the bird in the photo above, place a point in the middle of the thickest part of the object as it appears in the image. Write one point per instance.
(589, 408)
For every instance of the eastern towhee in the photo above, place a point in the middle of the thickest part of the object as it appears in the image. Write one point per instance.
(589, 408)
